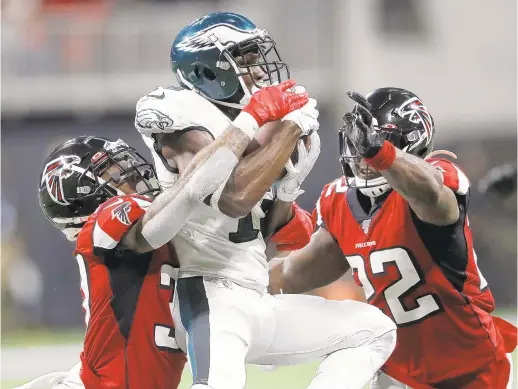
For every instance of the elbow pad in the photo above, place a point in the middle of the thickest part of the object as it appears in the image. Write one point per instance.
(297, 233)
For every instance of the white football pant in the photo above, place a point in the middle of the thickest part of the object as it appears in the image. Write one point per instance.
(57, 380)
(221, 326)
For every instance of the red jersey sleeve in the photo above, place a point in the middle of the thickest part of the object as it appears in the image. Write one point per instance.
(322, 213)
(297, 233)
(115, 217)
(454, 178)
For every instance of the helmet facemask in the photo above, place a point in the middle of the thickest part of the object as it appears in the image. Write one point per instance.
(259, 51)
(117, 171)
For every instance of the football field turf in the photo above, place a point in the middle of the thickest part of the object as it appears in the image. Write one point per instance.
(29, 354)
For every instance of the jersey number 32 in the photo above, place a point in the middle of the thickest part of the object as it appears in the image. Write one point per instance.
(395, 293)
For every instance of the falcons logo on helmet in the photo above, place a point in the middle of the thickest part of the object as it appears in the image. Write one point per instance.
(417, 113)
(53, 175)
(121, 212)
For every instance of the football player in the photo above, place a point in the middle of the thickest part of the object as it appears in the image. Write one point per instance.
(102, 195)
(399, 215)
(227, 318)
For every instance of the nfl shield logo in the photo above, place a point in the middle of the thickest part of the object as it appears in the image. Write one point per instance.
(365, 226)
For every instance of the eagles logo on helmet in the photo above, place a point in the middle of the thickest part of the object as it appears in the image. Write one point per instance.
(213, 55)
(53, 175)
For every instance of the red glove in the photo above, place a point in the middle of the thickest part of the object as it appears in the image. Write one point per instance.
(274, 102)
(297, 233)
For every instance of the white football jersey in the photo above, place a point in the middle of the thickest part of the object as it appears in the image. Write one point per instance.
(210, 243)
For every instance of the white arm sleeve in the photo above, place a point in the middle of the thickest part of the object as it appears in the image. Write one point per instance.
(177, 203)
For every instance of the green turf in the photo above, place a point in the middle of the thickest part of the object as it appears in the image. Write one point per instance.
(41, 337)
(293, 377)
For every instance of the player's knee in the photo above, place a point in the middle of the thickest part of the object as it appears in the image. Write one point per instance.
(387, 342)
(381, 323)
(384, 333)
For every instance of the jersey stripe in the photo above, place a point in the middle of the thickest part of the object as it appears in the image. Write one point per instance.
(319, 213)
(102, 239)
(463, 181)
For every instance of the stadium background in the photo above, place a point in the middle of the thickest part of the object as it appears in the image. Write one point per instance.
(74, 67)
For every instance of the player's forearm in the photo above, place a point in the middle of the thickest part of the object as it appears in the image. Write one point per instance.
(279, 215)
(416, 180)
(232, 139)
(256, 173)
(293, 275)
(318, 264)
(207, 171)
(422, 186)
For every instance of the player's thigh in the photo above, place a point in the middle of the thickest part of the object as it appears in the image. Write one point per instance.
(213, 331)
(383, 381)
(309, 327)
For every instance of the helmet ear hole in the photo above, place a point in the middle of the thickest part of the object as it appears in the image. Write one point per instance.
(196, 71)
(209, 74)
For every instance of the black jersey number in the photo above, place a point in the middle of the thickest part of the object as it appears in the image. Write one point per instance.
(248, 227)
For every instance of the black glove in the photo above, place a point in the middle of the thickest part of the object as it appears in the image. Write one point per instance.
(358, 127)
(500, 180)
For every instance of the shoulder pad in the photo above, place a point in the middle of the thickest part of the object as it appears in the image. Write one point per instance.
(454, 177)
(170, 109)
(115, 217)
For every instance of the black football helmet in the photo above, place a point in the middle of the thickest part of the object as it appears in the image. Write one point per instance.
(404, 121)
(72, 184)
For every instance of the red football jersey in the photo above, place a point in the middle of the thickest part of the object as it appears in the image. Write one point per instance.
(424, 277)
(129, 341)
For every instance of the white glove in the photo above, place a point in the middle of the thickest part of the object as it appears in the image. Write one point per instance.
(305, 117)
(289, 186)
